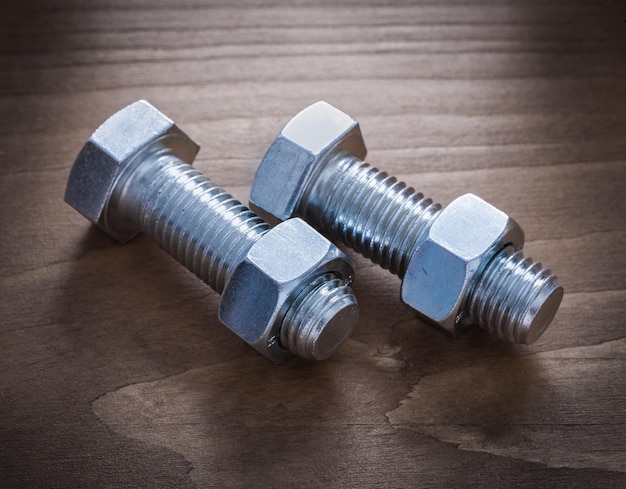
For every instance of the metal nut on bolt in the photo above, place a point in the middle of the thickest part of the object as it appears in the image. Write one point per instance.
(285, 290)
(453, 251)
(264, 288)
(460, 265)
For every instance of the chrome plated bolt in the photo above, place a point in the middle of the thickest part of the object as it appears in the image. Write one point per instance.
(284, 290)
(460, 266)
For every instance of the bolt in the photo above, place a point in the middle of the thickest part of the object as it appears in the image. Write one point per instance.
(283, 290)
(460, 266)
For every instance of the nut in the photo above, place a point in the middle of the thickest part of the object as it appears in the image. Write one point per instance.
(110, 150)
(304, 144)
(274, 271)
(456, 248)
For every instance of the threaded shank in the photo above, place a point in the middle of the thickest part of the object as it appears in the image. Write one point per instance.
(320, 319)
(194, 220)
(514, 297)
(210, 232)
(368, 210)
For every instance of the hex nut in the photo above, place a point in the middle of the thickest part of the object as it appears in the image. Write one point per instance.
(454, 251)
(305, 143)
(275, 269)
(112, 149)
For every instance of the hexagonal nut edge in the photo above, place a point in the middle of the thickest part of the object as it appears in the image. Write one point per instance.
(276, 268)
(458, 245)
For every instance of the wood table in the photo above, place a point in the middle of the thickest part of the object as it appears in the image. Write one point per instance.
(114, 369)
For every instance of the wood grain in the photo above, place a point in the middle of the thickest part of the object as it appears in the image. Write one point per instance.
(114, 370)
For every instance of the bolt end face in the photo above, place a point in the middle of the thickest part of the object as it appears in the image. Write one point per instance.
(540, 313)
(320, 320)
(110, 150)
(305, 143)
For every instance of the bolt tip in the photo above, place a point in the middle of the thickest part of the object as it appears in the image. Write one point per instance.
(334, 327)
(320, 320)
(540, 313)
(515, 298)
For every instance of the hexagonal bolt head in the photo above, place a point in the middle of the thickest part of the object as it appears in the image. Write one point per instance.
(454, 251)
(123, 139)
(308, 140)
(281, 264)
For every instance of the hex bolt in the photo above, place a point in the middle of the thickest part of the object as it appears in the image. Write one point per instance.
(284, 291)
(460, 266)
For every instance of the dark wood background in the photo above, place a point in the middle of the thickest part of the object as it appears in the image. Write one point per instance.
(114, 370)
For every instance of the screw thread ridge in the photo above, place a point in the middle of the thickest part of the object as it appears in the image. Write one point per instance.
(307, 329)
(198, 223)
(514, 297)
(370, 211)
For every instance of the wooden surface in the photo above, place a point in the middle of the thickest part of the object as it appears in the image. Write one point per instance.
(114, 370)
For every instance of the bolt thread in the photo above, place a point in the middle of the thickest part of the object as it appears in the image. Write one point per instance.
(514, 297)
(368, 210)
(385, 220)
(210, 232)
(198, 223)
(315, 325)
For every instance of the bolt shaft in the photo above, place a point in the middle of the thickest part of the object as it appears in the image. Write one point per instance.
(385, 221)
(370, 211)
(185, 213)
(210, 232)
(514, 297)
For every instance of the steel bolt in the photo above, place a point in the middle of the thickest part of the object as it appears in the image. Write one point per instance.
(460, 266)
(284, 290)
